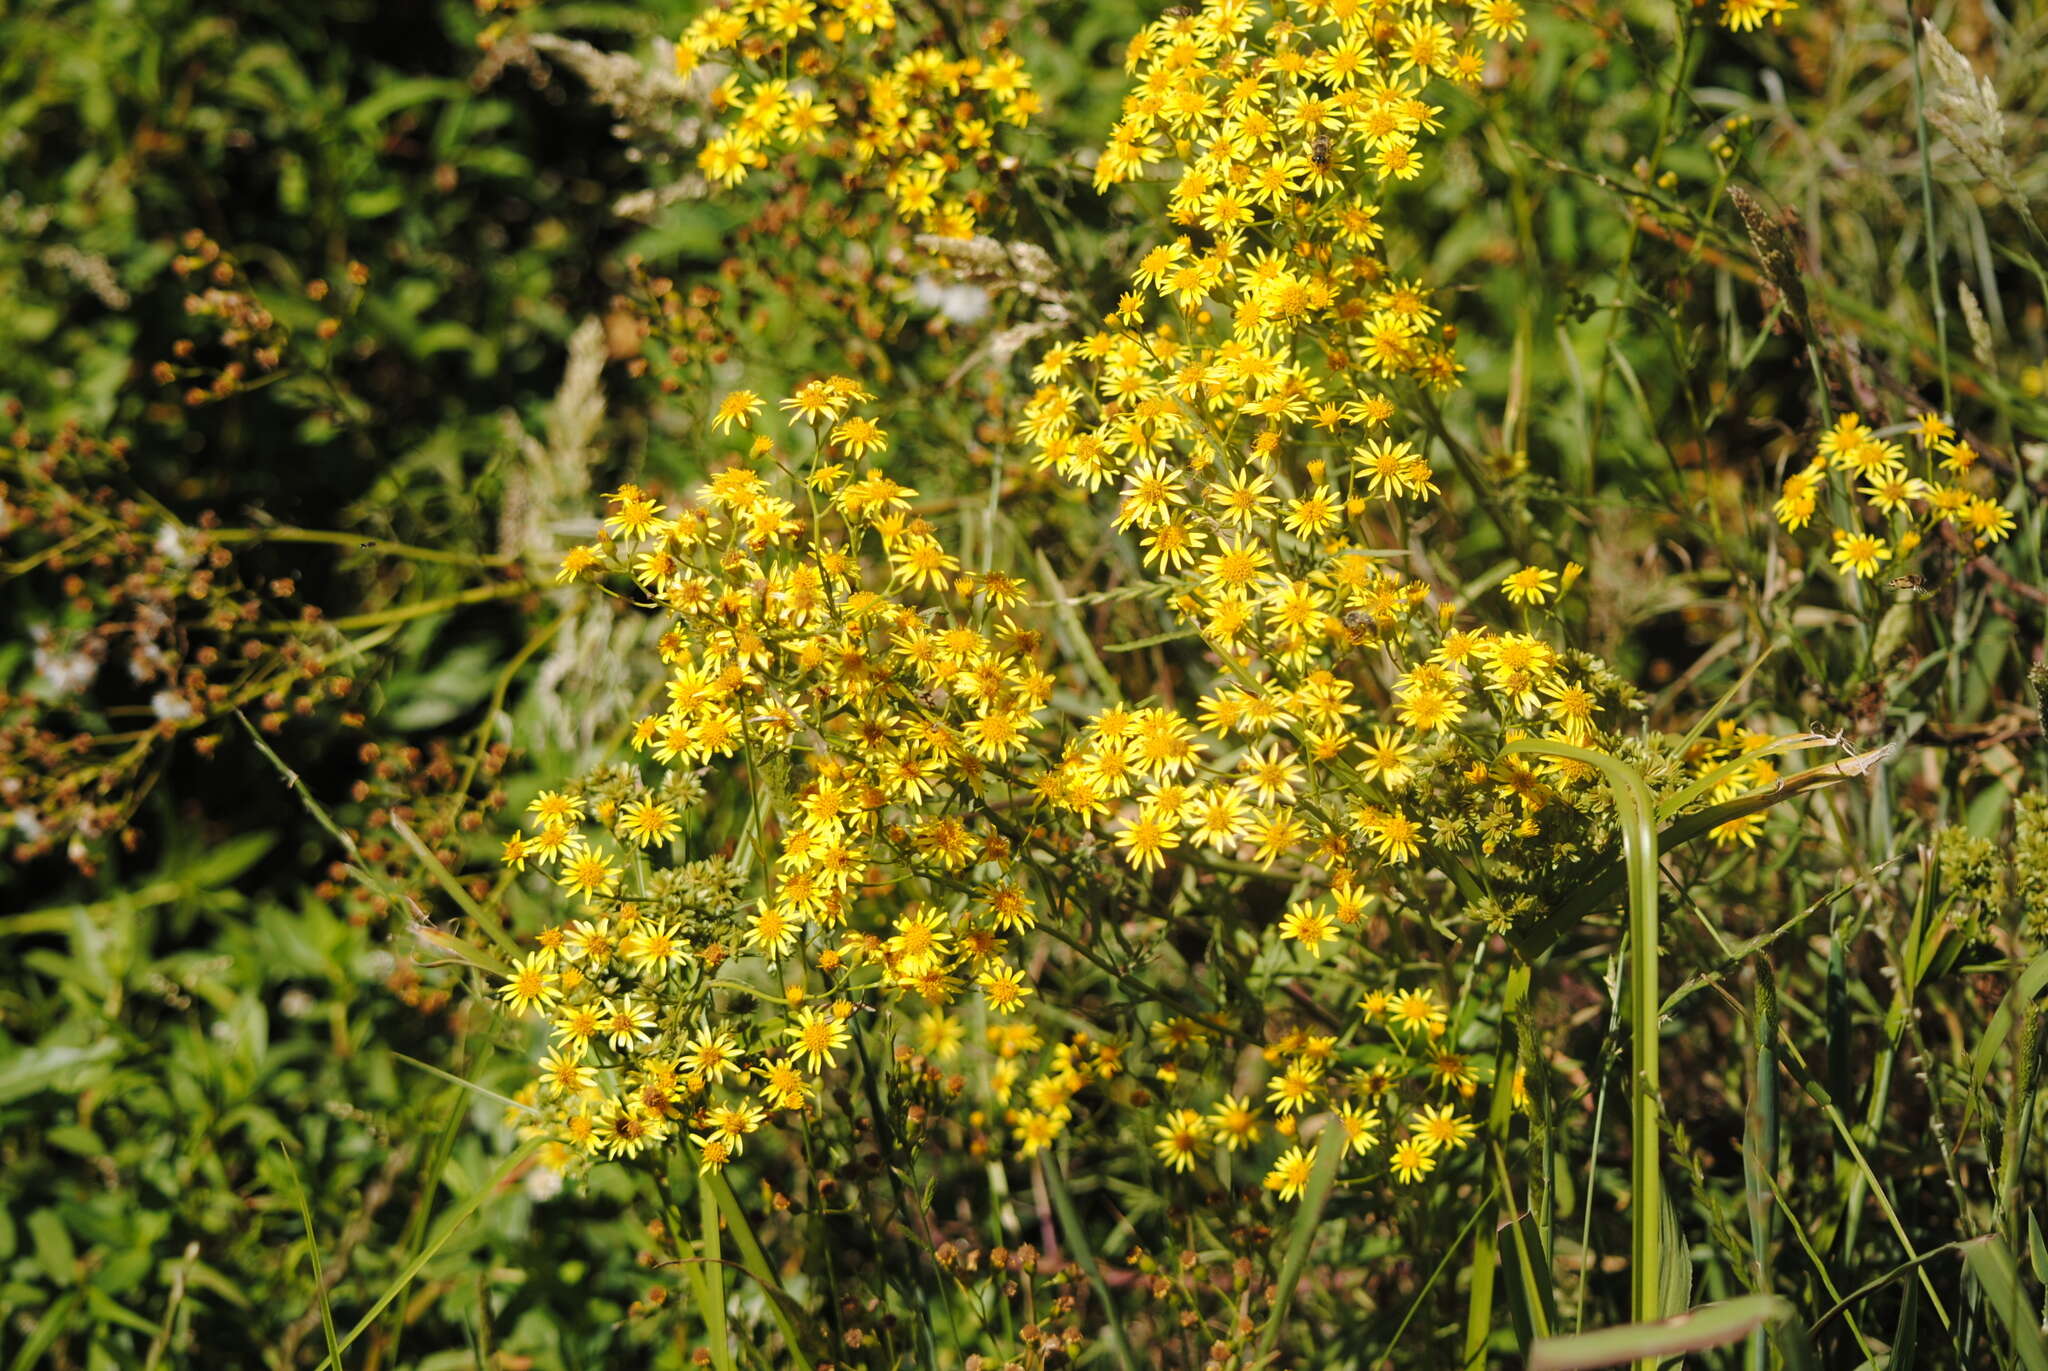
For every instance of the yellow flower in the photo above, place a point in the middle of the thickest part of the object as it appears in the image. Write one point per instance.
(1530, 585)
(1146, 840)
(1233, 1123)
(648, 822)
(1361, 1125)
(1415, 1010)
(1180, 1139)
(1309, 926)
(589, 874)
(1410, 1161)
(817, 1035)
(739, 407)
(1437, 1127)
(1004, 988)
(1859, 554)
(1290, 1173)
(530, 985)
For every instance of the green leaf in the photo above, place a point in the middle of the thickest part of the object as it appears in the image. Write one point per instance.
(59, 1066)
(449, 1227)
(1710, 1325)
(1991, 1262)
(1084, 1256)
(55, 1252)
(1676, 1272)
(48, 1329)
(711, 1283)
(1322, 1179)
(313, 1253)
(2029, 985)
(457, 683)
(785, 1310)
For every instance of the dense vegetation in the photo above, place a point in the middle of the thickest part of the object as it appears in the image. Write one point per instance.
(1004, 684)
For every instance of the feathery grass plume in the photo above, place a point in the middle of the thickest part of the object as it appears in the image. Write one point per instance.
(1774, 249)
(649, 102)
(1964, 106)
(1978, 325)
(551, 480)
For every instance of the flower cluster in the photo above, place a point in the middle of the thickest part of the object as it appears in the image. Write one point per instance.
(844, 81)
(1883, 502)
(939, 825)
(1262, 396)
(875, 695)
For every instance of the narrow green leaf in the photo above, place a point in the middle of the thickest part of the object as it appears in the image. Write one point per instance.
(1084, 1256)
(1479, 1299)
(1597, 882)
(1991, 1262)
(48, 1329)
(1906, 1334)
(2032, 981)
(1635, 810)
(489, 922)
(481, 1092)
(712, 1286)
(1710, 1325)
(1675, 1289)
(449, 1227)
(313, 1250)
(785, 1310)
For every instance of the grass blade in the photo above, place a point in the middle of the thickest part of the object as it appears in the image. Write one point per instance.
(1710, 1325)
(755, 1261)
(1760, 1150)
(711, 1286)
(1906, 1334)
(1593, 886)
(313, 1251)
(1635, 810)
(1084, 1257)
(1321, 1180)
(449, 1227)
(1991, 1262)
(2030, 984)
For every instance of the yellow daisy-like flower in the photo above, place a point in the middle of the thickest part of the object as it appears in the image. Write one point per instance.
(817, 1036)
(1290, 1173)
(530, 985)
(1417, 1011)
(1531, 585)
(1860, 554)
(1233, 1123)
(1310, 926)
(1004, 988)
(1411, 1161)
(1180, 1139)
(1438, 1127)
(648, 822)
(589, 874)
(739, 407)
